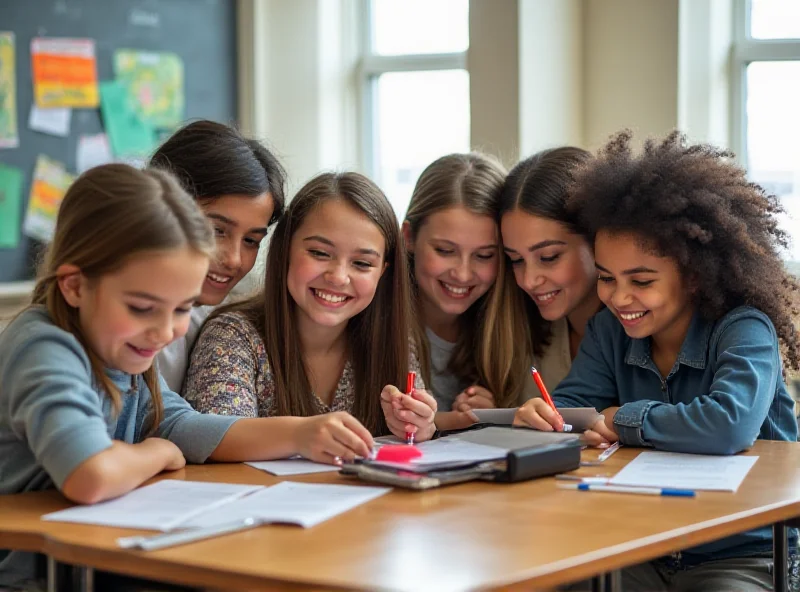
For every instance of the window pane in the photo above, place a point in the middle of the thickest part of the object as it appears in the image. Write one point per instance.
(419, 26)
(773, 129)
(420, 116)
(775, 19)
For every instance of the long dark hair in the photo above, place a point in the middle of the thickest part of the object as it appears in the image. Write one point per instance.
(538, 186)
(211, 159)
(379, 339)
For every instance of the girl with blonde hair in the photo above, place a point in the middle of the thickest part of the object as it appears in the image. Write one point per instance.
(464, 296)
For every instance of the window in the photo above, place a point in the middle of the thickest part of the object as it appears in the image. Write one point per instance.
(766, 96)
(415, 89)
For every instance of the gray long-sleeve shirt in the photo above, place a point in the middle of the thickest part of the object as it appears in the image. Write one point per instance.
(54, 416)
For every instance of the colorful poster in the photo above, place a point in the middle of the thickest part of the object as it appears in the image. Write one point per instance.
(64, 72)
(10, 206)
(154, 81)
(9, 137)
(50, 183)
(128, 134)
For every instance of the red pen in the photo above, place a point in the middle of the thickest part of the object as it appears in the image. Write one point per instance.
(537, 378)
(410, 380)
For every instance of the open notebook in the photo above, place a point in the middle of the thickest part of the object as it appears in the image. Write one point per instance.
(170, 504)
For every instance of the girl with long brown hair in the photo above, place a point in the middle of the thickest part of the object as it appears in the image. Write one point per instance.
(318, 346)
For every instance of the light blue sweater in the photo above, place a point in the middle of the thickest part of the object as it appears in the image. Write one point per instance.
(54, 416)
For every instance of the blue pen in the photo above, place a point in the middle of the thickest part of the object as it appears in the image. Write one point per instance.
(665, 491)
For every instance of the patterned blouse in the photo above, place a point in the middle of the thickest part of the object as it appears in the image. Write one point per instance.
(230, 375)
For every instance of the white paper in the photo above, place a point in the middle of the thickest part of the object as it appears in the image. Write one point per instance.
(303, 504)
(292, 466)
(92, 151)
(54, 121)
(580, 418)
(685, 471)
(161, 506)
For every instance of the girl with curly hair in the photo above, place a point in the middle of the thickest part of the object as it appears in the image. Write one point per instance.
(686, 357)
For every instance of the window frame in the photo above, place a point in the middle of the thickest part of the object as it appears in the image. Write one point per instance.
(747, 50)
(371, 66)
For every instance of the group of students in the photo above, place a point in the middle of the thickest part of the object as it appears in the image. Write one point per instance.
(648, 285)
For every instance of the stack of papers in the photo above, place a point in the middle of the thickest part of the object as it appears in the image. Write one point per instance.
(447, 452)
(171, 504)
(685, 471)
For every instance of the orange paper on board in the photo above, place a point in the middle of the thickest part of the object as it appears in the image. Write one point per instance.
(64, 72)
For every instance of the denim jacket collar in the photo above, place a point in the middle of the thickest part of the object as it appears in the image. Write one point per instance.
(694, 351)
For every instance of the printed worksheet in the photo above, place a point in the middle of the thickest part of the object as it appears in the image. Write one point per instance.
(685, 471)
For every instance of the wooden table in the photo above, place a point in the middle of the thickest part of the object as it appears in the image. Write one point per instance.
(475, 535)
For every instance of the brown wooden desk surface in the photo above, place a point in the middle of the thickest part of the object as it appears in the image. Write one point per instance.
(476, 535)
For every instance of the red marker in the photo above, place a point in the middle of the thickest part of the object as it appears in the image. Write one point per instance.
(410, 380)
(537, 378)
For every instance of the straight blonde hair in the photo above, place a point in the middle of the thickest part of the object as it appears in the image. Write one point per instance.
(110, 214)
(486, 352)
(379, 341)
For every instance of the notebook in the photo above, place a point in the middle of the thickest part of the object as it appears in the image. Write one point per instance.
(171, 504)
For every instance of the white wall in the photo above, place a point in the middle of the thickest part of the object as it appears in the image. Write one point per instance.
(551, 89)
(301, 81)
(493, 64)
(630, 68)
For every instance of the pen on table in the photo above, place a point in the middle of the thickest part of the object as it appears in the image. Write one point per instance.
(664, 491)
(609, 451)
(410, 380)
(171, 539)
(547, 399)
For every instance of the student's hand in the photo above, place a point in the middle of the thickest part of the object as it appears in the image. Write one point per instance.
(332, 438)
(537, 414)
(172, 455)
(474, 397)
(608, 418)
(603, 431)
(414, 413)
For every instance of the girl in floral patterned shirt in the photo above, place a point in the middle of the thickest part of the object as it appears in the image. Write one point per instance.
(327, 339)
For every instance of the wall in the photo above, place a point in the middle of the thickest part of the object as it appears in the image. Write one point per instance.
(630, 68)
(298, 62)
(551, 88)
(493, 64)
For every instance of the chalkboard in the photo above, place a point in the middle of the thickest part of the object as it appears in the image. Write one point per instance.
(201, 32)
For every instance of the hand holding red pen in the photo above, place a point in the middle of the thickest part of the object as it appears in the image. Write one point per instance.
(409, 413)
(537, 414)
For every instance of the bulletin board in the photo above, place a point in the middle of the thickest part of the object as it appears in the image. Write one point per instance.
(201, 33)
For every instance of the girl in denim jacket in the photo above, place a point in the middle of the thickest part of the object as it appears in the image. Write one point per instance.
(687, 355)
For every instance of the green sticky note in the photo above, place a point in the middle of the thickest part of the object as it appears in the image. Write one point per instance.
(10, 206)
(128, 134)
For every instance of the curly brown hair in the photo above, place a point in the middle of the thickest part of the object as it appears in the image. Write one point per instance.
(692, 203)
